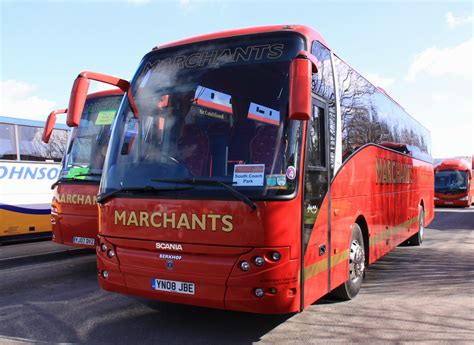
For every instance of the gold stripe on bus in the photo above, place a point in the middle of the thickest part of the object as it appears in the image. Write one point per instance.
(321, 266)
(336, 259)
(386, 234)
(316, 268)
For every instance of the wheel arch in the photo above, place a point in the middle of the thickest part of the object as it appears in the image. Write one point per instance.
(362, 222)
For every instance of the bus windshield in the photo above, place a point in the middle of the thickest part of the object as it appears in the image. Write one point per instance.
(88, 142)
(210, 113)
(450, 180)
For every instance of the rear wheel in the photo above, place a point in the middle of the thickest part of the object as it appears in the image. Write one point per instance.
(351, 287)
(417, 239)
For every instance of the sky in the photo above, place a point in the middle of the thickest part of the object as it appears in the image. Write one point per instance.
(420, 52)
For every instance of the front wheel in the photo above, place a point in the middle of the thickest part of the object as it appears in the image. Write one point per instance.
(351, 287)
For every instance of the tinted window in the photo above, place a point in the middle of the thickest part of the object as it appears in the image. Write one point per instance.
(316, 138)
(211, 110)
(7, 141)
(370, 116)
(323, 86)
(450, 180)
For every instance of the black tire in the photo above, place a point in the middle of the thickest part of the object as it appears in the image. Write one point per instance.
(351, 287)
(417, 239)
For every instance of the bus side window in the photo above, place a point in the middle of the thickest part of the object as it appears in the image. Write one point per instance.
(32, 147)
(316, 131)
(57, 144)
(7, 141)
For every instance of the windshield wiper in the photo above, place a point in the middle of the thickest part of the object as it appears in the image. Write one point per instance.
(204, 182)
(137, 190)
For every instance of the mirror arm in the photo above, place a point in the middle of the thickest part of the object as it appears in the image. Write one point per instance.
(314, 61)
(122, 84)
(51, 119)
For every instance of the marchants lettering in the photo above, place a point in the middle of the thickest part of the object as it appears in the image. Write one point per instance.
(171, 220)
(77, 199)
(392, 172)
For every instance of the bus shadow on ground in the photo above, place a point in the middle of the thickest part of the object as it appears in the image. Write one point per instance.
(420, 270)
(168, 323)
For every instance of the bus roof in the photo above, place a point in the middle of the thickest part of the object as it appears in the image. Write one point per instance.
(27, 122)
(105, 93)
(453, 164)
(306, 31)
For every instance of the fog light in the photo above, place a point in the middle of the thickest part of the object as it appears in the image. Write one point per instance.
(276, 256)
(103, 247)
(259, 261)
(105, 274)
(244, 266)
(110, 253)
(259, 292)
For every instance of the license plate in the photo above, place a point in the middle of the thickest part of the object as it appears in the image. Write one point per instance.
(83, 240)
(449, 202)
(173, 286)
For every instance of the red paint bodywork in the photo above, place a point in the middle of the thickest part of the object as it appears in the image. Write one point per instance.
(69, 220)
(445, 199)
(211, 259)
(355, 195)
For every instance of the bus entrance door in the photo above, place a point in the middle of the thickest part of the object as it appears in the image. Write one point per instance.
(315, 236)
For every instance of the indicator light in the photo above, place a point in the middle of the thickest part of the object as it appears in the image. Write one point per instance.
(259, 261)
(276, 256)
(259, 292)
(244, 266)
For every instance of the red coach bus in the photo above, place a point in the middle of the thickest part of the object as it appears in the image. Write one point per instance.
(453, 183)
(255, 170)
(74, 206)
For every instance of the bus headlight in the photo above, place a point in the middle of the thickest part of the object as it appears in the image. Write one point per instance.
(259, 292)
(244, 266)
(111, 253)
(275, 256)
(103, 247)
(259, 261)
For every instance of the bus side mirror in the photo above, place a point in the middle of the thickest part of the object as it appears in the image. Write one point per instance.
(49, 125)
(301, 73)
(79, 94)
(77, 101)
